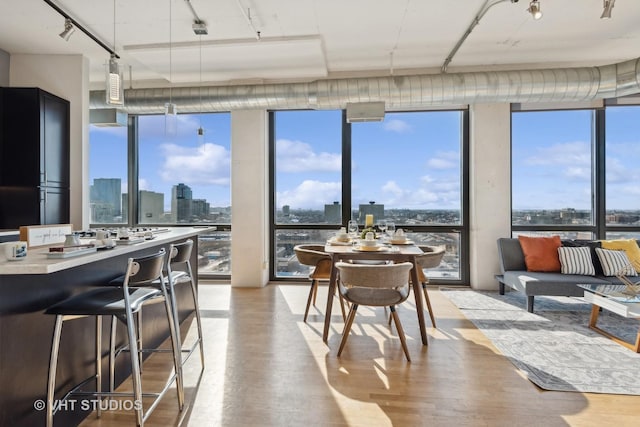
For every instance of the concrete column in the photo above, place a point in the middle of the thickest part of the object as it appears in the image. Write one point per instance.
(490, 189)
(66, 76)
(249, 195)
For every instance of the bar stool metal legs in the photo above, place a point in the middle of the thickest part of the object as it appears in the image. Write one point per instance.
(180, 254)
(121, 302)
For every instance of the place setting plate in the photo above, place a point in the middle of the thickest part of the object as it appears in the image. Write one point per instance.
(401, 242)
(335, 242)
(378, 248)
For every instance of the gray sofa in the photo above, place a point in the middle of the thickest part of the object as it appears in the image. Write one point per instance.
(515, 275)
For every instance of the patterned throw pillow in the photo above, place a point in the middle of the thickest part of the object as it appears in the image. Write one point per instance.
(615, 262)
(576, 261)
(592, 244)
(630, 246)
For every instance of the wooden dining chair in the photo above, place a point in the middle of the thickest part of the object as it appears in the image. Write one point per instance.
(320, 263)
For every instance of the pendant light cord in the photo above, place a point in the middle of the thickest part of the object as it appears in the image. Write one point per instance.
(170, 57)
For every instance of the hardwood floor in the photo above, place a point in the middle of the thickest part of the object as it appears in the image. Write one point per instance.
(265, 367)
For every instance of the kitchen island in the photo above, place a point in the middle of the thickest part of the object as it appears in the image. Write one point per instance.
(29, 286)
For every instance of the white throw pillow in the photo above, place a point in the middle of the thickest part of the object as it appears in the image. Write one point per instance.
(615, 262)
(576, 260)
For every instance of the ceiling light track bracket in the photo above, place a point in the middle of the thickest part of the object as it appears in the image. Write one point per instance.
(81, 28)
(488, 4)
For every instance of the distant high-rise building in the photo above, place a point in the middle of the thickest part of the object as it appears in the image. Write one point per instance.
(181, 196)
(151, 206)
(371, 209)
(105, 196)
(200, 209)
(333, 213)
(286, 210)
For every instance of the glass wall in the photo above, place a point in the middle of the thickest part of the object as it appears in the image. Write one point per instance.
(622, 172)
(308, 177)
(108, 166)
(406, 170)
(574, 173)
(182, 178)
(552, 168)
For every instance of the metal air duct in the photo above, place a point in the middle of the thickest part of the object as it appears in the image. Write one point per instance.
(398, 92)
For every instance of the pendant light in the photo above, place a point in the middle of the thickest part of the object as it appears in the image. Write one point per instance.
(114, 81)
(170, 109)
(200, 132)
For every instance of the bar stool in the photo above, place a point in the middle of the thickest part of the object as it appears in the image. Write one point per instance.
(121, 302)
(179, 257)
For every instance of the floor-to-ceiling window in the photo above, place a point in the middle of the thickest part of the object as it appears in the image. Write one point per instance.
(307, 182)
(180, 176)
(552, 170)
(622, 136)
(574, 172)
(108, 166)
(408, 170)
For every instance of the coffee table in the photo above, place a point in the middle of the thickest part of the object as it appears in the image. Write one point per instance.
(612, 298)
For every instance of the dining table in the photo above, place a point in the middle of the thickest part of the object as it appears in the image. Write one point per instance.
(351, 251)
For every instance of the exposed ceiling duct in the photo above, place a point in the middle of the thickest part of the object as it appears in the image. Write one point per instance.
(107, 117)
(398, 92)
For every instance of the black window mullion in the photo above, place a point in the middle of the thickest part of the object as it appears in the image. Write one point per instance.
(600, 174)
(132, 172)
(347, 209)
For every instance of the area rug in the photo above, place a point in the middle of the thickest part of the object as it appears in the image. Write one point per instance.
(554, 346)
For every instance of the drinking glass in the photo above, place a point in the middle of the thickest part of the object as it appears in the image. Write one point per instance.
(382, 226)
(391, 228)
(352, 228)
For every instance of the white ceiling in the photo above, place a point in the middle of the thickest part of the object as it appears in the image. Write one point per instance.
(313, 39)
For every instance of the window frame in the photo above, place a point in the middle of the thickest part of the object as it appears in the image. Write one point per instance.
(133, 220)
(461, 229)
(599, 227)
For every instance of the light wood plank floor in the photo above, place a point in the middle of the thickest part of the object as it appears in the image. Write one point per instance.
(265, 367)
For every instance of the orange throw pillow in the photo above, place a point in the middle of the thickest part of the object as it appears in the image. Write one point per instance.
(541, 253)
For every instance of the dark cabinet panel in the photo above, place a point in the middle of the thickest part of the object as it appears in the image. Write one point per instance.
(35, 138)
(34, 158)
(33, 206)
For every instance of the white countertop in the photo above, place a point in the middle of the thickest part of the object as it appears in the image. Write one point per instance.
(37, 262)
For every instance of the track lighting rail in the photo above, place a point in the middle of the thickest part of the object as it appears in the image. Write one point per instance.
(81, 28)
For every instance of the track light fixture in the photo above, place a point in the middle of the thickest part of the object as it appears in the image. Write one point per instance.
(115, 87)
(114, 78)
(608, 5)
(534, 9)
(68, 30)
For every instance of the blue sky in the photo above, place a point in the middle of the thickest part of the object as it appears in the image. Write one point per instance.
(170, 158)
(551, 159)
(410, 160)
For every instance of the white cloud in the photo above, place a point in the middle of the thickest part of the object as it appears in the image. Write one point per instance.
(436, 163)
(576, 153)
(297, 156)
(445, 160)
(208, 164)
(617, 172)
(310, 195)
(578, 173)
(431, 193)
(143, 184)
(395, 125)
